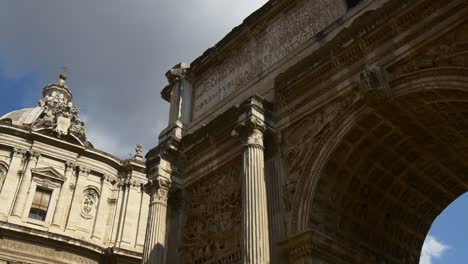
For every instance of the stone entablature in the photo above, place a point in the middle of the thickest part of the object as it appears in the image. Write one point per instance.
(261, 43)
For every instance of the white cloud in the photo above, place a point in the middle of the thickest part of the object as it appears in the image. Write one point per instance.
(431, 249)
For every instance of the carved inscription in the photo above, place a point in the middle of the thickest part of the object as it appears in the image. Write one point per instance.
(27, 251)
(212, 230)
(288, 32)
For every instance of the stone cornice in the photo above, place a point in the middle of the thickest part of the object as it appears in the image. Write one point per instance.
(95, 154)
(30, 234)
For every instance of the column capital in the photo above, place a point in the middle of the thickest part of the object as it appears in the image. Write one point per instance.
(19, 152)
(106, 178)
(70, 165)
(177, 72)
(34, 154)
(159, 190)
(159, 183)
(251, 131)
(84, 170)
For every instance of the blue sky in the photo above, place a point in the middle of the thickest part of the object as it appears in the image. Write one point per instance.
(116, 75)
(450, 229)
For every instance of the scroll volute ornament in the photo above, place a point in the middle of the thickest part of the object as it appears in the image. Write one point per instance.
(251, 131)
(159, 190)
(19, 152)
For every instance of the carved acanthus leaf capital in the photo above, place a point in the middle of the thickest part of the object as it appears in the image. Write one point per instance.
(159, 190)
(177, 72)
(84, 171)
(19, 152)
(251, 131)
(34, 154)
(70, 165)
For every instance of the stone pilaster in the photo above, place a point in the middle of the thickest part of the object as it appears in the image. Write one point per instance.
(156, 230)
(275, 180)
(99, 227)
(20, 203)
(114, 236)
(8, 194)
(255, 237)
(65, 197)
(75, 209)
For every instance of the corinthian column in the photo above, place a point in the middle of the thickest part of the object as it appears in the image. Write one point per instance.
(155, 241)
(23, 191)
(255, 246)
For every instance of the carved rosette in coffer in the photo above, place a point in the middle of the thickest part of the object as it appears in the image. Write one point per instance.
(212, 229)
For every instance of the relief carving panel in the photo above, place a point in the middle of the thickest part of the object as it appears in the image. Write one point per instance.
(213, 224)
(288, 32)
(89, 203)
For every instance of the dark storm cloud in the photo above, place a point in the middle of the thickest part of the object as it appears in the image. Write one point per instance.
(117, 52)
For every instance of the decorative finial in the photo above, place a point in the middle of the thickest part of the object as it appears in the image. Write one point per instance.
(63, 75)
(139, 152)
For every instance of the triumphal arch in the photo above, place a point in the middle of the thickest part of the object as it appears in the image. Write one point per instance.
(317, 131)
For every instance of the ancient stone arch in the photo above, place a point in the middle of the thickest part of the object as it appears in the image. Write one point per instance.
(348, 146)
(404, 135)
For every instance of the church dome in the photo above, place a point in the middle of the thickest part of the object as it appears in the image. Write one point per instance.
(23, 117)
(55, 115)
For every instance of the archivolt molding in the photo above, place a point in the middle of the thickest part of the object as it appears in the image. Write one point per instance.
(3, 172)
(305, 139)
(317, 140)
(442, 65)
(304, 169)
(4, 165)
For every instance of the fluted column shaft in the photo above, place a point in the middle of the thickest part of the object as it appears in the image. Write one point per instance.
(23, 191)
(65, 197)
(255, 248)
(155, 241)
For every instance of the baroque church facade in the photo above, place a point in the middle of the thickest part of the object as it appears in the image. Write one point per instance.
(316, 132)
(61, 200)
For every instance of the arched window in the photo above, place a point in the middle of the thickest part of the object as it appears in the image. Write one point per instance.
(3, 173)
(352, 3)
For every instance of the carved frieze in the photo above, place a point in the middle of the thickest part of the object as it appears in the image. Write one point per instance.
(212, 228)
